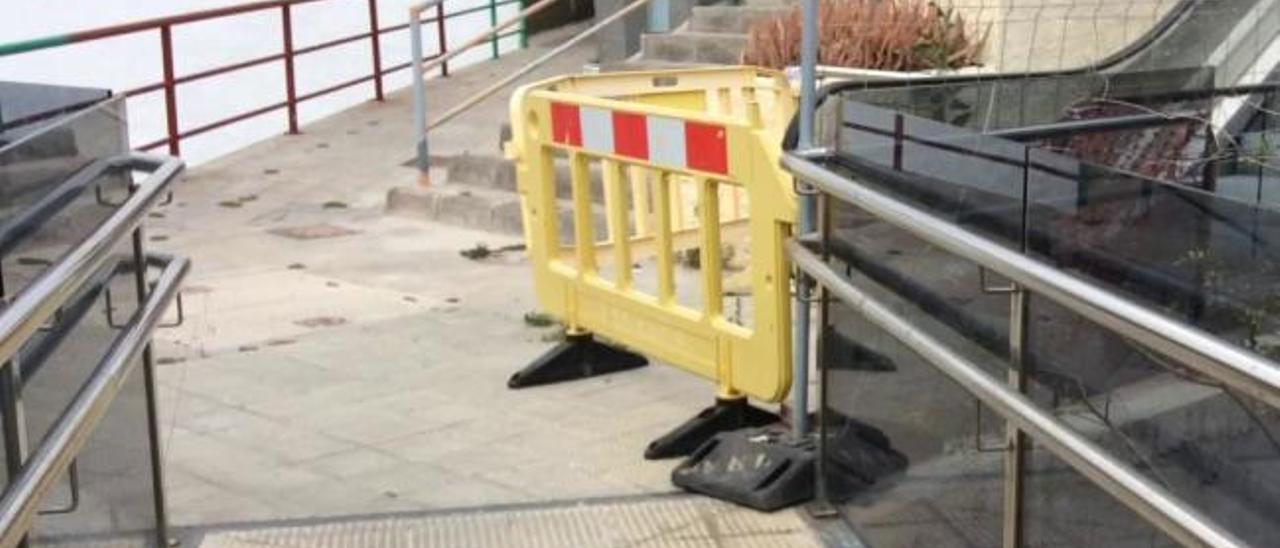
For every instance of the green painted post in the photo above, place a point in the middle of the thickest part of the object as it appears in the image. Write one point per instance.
(524, 30)
(493, 22)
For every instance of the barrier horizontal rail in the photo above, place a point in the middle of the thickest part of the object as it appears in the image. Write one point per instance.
(1154, 503)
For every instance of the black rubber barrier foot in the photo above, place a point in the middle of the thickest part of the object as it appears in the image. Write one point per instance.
(767, 469)
(760, 468)
(578, 357)
(724, 416)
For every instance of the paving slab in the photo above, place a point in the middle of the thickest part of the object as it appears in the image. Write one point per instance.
(338, 361)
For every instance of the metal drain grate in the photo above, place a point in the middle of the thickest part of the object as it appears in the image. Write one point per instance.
(686, 522)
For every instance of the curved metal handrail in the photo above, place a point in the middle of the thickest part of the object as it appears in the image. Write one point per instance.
(40, 300)
(40, 474)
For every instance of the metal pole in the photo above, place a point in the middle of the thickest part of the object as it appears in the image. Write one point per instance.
(524, 31)
(441, 38)
(531, 66)
(153, 413)
(822, 506)
(419, 97)
(375, 43)
(493, 21)
(291, 92)
(800, 342)
(14, 422)
(170, 89)
(1015, 456)
(1017, 444)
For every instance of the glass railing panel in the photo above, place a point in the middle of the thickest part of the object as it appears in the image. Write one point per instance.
(1215, 450)
(1063, 509)
(43, 212)
(1207, 260)
(46, 208)
(972, 180)
(26, 107)
(113, 472)
(913, 460)
(997, 103)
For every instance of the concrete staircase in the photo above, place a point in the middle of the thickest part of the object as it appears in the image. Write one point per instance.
(713, 34)
(477, 189)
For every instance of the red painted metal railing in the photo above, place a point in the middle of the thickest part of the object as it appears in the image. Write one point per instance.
(170, 80)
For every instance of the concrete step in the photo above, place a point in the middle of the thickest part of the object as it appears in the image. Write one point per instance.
(458, 205)
(477, 208)
(730, 19)
(694, 47)
(497, 173)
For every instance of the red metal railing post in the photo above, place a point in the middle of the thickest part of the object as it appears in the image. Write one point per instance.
(375, 43)
(291, 92)
(170, 89)
(444, 67)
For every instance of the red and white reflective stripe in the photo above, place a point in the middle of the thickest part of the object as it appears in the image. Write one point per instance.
(660, 140)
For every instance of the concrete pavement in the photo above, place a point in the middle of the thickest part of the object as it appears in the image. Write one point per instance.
(338, 361)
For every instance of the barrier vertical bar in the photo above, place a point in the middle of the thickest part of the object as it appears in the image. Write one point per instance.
(170, 89)
(375, 44)
(800, 344)
(666, 270)
(640, 201)
(493, 22)
(441, 38)
(584, 229)
(291, 93)
(709, 211)
(618, 232)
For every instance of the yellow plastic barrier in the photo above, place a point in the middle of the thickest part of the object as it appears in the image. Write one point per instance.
(680, 160)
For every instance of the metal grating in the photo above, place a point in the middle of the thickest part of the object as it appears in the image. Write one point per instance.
(677, 521)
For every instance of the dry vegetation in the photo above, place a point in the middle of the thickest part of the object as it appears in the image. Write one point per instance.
(898, 35)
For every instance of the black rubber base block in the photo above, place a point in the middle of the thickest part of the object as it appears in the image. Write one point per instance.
(766, 469)
(724, 416)
(859, 456)
(578, 357)
(760, 468)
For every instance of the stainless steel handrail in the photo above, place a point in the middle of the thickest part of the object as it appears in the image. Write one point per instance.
(40, 300)
(1179, 520)
(68, 435)
(1236, 367)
